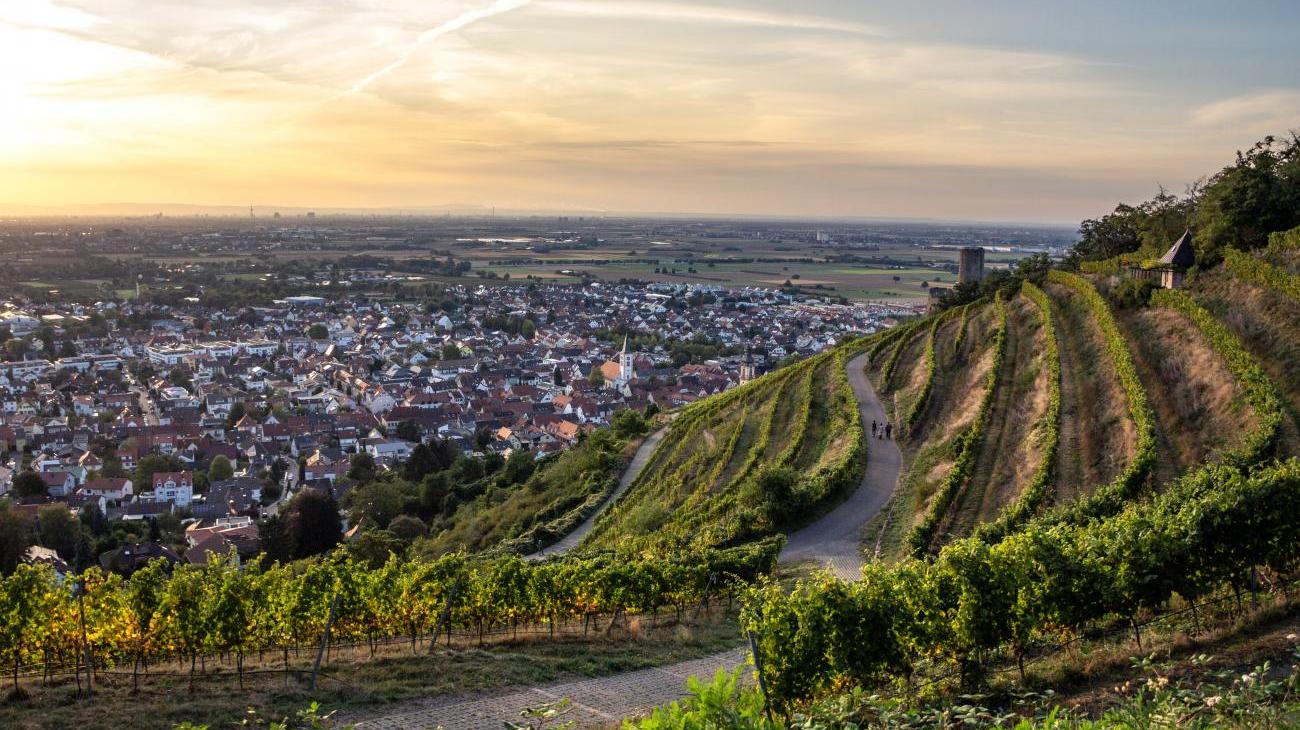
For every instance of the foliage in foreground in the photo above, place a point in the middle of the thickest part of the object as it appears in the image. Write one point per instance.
(220, 607)
(1220, 699)
(1210, 529)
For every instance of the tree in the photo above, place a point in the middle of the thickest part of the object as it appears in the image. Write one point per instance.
(318, 332)
(517, 468)
(58, 529)
(408, 527)
(362, 467)
(313, 523)
(774, 490)
(153, 464)
(28, 484)
(528, 329)
(277, 544)
(433, 494)
(15, 348)
(373, 548)
(450, 351)
(409, 431)
(629, 423)
(237, 412)
(596, 377)
(220, 469)
(1109, 236)
(93, 519)
(379, 501)
(15, 537)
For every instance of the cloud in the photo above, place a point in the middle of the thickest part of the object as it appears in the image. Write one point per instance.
(1274, 109)
(459, 22)
(688, 13)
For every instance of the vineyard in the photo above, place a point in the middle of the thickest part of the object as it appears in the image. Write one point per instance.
(223, 609)
(755, 461)
(1055, 565)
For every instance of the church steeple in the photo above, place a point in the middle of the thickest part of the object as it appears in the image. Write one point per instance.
(625, 370)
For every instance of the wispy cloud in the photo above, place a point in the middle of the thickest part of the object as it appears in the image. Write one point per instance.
(691, 13)
(1264, 109)
(459, 22)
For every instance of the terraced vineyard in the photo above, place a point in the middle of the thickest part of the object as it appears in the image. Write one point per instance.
(762, 458)
(1077, 437)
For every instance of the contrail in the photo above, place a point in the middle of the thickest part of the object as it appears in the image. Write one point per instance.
(451, 26)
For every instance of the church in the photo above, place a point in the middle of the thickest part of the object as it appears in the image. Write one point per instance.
(618, 373)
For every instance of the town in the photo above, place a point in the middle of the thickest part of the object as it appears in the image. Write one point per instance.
(204, 420)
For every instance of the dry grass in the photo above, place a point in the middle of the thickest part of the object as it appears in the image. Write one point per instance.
(1011, 452)
(1199, 405)
(1097, 435)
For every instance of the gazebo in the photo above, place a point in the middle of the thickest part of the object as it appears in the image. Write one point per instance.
(1168, 271)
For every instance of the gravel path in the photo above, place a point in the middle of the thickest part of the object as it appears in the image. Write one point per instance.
(639, 460)
(832, 541)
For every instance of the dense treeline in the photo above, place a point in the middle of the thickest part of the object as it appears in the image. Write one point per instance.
(1237, 208)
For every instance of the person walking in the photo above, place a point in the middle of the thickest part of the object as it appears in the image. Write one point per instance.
(873, 429)
(889, 430)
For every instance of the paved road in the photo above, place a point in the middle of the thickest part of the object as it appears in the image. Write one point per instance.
(832, 541)
(639, 460)
(835, 541)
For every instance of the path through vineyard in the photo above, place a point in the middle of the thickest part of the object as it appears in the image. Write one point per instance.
(639, 460)
(832, 541)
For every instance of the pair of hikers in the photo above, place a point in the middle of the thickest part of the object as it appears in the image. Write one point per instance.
(882, 430)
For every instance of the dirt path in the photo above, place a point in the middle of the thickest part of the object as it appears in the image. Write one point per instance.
(634, 467)
(831, 541)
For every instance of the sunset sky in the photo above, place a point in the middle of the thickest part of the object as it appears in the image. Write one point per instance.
(1028, 111)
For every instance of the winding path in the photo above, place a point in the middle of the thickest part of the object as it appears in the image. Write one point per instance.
(832, 541)
(633, 470)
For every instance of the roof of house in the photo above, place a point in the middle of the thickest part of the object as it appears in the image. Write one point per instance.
(1181, 254)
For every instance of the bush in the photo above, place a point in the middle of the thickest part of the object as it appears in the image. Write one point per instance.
(1133, 293)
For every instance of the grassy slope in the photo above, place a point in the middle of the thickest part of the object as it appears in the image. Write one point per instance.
(1008, 459)
(928, 450)
(1097, 435)
(1269, 326)
(563, 485)
(1200, 410)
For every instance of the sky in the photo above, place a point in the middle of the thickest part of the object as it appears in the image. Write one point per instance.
(997, 110)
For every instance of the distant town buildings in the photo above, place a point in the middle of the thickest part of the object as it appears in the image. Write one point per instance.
(490, 369)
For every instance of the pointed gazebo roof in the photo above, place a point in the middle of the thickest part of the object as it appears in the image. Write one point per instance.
(1181, 255)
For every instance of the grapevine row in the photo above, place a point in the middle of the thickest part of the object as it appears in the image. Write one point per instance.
(833, 479)
(1211, 529)
(805, 397)
(1037, 492)
(923, 398)
(1258, 271)
(968, 444)
(1260, 392)
(1108, 499)
(900, 343)
(224, 607)
(961, 326)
